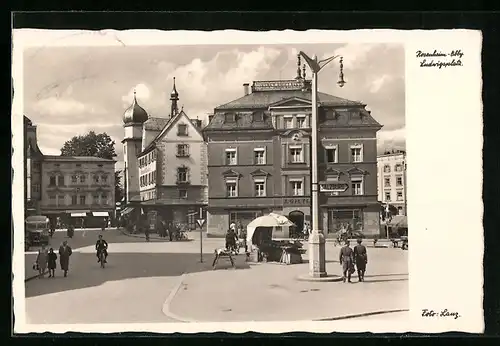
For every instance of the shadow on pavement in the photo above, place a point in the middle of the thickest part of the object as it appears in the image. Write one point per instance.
(85, 271)
(382, 280)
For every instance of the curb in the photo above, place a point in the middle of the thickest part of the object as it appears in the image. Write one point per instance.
(141, 236)
(166, 305)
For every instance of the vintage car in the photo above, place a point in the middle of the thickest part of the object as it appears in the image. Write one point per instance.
(36, 231)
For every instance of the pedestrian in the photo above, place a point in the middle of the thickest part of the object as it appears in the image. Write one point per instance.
(109, 223)
(346, 259)
(41, 261)
(64, 254)
(52, 258)
(361, 259)
(243, 237)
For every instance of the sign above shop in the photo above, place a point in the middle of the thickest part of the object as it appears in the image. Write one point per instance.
(333, 187)
(278, 85)
(297, 201)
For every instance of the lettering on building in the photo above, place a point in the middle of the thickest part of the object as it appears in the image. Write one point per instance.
(296, 201)
(277, 85)
(333, 187)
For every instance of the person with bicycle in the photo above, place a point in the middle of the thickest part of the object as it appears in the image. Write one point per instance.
(101, 245)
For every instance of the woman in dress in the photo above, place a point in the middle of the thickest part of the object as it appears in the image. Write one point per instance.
(41, 261)
(52, 258)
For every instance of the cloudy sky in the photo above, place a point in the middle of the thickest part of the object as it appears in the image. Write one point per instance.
(71, 90)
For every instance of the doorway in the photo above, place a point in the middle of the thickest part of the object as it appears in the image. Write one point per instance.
(297, 217)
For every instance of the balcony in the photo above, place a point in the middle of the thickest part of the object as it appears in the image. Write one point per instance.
(182, 182)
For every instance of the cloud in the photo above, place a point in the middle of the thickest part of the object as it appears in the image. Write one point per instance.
(61, 110)
(378, 83)
(391, 139)
(143, 94)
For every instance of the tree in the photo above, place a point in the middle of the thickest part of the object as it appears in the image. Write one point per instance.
(392, 211)
(92, 144)
(96, 145)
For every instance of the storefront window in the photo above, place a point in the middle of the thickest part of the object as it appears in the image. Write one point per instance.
(339, 217)
(245, 217)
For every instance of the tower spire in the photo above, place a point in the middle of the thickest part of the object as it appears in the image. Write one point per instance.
(174, 97)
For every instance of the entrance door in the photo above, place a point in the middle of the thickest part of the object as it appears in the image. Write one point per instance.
(297, 217)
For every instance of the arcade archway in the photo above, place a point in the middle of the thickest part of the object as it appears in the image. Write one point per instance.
(297, 217)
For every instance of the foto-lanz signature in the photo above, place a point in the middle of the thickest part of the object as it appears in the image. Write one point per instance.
(442, 313)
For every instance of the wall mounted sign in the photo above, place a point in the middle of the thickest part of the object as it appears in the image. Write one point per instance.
(333, 187)
(297, 201)
(278, 85)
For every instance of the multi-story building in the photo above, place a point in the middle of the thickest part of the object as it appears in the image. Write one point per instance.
(391, 167)
(260, 159)
(171, 161)
(71, 188)
(78, 189)
(32, 170)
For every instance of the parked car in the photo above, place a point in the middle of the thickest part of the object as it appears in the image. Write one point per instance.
(37, 231)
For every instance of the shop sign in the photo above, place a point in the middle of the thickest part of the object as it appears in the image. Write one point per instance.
(297, 201)
(333, 187)
(278, 85)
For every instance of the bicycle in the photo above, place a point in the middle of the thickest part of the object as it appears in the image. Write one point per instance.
(102, 259)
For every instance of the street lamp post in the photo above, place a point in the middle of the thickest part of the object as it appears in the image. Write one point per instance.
(317, 261)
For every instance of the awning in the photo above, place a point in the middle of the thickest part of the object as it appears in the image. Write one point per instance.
(78, 214)
(100, 213)
(400, 221)
(126, 211)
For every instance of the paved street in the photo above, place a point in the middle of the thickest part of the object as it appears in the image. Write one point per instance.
(144, 282)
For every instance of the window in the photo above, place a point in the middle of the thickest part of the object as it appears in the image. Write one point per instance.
(231, 190)
(388, 196)
(357, 187)
(230, 117)
(36, 187)
(78, 165)
(183, 194)
(288, 122)
(182, 176)
(231, 157)
(82, 200)
(182, 130)
(387, 182)
(260, 187)
(95, 199)
(52, 181)
(82, 179)
(74, 200)
(356, 153)
(96, 179)
(399, 168)
(52, 200)
(104, 199)
(258, 116)
(399, 196)
(74, 179)
(342, 217)
(61, 200)
(182, 150)
(400, 210)
(259, 156)
(104, 179)
(387, 169)
(301, 122)
(297, 189)
(399, 181)
(296, 155)
(331, 155)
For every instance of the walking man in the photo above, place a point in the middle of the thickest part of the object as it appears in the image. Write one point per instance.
(64, 253)
(361, 259)
(346, 259)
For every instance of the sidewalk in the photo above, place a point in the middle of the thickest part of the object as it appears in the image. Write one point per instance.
(271, 292)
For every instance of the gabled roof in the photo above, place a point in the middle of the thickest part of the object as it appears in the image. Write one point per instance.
(263, 99)
(76, 158)
(166, 128)
(231, 173)
(155, 124)
(357, 118)
(260, 172)
(356, 170)
(244, 120)
(298, 100)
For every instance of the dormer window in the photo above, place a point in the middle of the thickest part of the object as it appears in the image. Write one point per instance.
(182, 130)
(258, 116)
(230, 117)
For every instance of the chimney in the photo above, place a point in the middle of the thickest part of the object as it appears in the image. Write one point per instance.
(196, 123)
(246, 89)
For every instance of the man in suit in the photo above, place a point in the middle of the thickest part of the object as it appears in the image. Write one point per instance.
(346, 259)
(361, 259)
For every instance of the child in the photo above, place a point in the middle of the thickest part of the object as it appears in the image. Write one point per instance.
(52, 257)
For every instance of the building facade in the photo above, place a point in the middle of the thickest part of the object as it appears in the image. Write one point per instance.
(259, 154)
(69, 188)
(171, 166)
(391, 168)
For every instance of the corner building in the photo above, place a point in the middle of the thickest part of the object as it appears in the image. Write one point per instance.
(259, 159)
